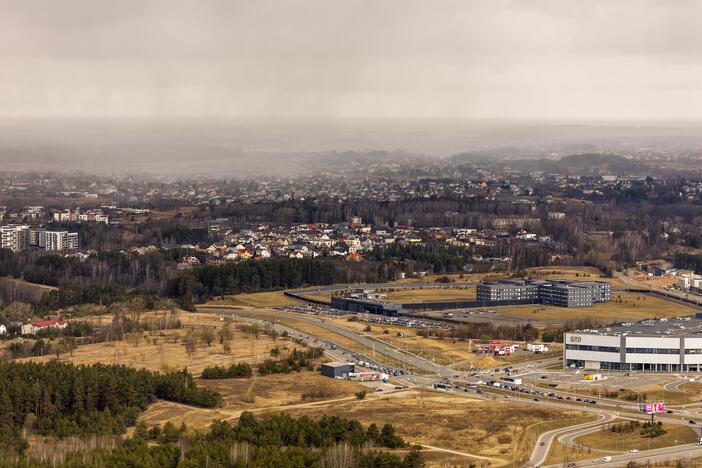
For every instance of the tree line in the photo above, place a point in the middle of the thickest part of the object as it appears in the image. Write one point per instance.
(250, 276)
(276, 440)
(62, 399)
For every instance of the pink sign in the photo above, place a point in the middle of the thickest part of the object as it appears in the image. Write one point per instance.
(650, 408)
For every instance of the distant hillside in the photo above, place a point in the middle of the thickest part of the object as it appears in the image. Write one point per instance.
(585, 164)
(590, 163)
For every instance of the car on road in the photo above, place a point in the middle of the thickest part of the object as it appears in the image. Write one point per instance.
(634, 451)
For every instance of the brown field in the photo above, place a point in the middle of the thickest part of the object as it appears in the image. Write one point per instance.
(328, 335)
(677, 434)
(164, 350)
(256, 300)
(561, 454)
(652, 281)
(422, 295)
(576, 273)
(272, 392)
(418, 295)
(13, 289)
(443, 351)
(632, 307)
(611, 443)
(502, 431)
(467, 277)
(505, 431)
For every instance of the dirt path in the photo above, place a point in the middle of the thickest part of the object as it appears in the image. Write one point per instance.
(495, 461)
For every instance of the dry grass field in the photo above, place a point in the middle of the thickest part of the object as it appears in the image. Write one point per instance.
(442, 351)
(677, 434)
(327, 335)
(610, 443)
(652, 281)
(623, 306)
(256, 300)
(466, 277)
(501, 430)
(165, 350)
(575, 273)
(417, 295)
(421, 295)
(270, 393)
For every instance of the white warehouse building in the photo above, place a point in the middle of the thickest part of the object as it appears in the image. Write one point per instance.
(664, 345)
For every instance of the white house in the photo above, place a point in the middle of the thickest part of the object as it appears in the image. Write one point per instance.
(35, 327)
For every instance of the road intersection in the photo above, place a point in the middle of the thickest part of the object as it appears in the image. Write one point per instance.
(475, 386)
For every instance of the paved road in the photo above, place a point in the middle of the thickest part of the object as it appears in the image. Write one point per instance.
(674, 386)
(645, 456)
(363, 340)
(606, 409)
(543, 443)
(671, 295)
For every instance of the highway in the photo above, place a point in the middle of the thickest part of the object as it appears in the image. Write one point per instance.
(652, 457)
(604, 408)
(411, 360)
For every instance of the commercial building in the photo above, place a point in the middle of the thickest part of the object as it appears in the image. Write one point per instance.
(359, 303)
(664, 345)
(14, 237)
(557, 292)
(507, 291)
(574, 294)
(337, 370)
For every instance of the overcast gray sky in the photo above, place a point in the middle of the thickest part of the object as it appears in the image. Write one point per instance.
(560, 59)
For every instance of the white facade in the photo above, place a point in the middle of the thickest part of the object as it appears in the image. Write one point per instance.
(14, 237)
(60, 240)
(633, 352)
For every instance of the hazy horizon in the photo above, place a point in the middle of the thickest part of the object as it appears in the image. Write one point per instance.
(244, 147)
(548, 59)
(178, 86)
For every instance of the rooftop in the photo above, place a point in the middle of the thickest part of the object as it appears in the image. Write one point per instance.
(673, 327)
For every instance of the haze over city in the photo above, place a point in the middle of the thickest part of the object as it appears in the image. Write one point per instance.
(350, 234)
(233, 78)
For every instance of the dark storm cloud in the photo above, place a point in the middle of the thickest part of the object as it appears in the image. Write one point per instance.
(312, 58)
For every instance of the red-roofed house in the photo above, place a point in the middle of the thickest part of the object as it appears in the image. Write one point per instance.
(39, 325)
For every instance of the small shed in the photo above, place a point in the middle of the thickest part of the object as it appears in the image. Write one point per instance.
(337, 369)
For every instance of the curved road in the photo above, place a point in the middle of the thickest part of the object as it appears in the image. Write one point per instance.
(545, 440)
(605, 409)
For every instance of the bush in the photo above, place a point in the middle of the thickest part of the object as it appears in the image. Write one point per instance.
(241, 370)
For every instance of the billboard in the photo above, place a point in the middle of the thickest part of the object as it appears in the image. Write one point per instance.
(651, 408)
